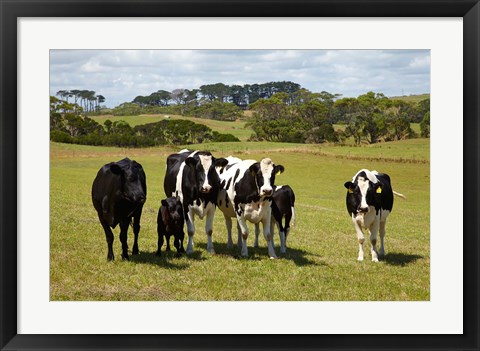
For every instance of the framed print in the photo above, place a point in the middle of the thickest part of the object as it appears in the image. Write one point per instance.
(59, 291)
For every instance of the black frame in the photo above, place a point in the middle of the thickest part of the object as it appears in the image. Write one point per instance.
(10, 10)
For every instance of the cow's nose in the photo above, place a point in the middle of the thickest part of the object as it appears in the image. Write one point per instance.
(268, 192)
(206, 189)
(363, 209)
(142, 199)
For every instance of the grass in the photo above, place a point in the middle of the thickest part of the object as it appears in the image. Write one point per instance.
(236, 128)
(411, 98)
(320, 263)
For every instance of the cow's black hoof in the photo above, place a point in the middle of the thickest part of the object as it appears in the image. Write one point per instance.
(125, 258)
(135, 251)
(110, 258)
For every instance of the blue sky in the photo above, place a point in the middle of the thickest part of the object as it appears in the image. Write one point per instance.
(121, 75)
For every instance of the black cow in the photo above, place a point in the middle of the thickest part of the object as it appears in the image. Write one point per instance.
(192, 177)
(369, 202)
(283, 207)
(170, 221)
(118, 194)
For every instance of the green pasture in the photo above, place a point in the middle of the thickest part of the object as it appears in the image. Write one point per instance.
(320, 263)
(236, 128)
(411, 98)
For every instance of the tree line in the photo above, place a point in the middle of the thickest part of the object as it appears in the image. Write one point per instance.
(240, 95)
(70, 127)
(306, 117)
(84, 100)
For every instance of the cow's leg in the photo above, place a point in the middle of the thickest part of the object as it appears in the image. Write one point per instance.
(181, 237)
(167, 238)
(373, 240)
(274, 223)
(360, 237)
(228, 224)
(288, 218)
(159, 244)
(109, 236)
(190, 230)
(244, 230)
(239, 236)
(382, 237)
(160, 232)
(209, 229)
(257, 233)
(283, 236)
(136, 230)
(268, 236)
(123, 238)
(178, 243)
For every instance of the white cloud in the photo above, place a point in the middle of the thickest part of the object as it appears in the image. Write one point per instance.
(121, 75)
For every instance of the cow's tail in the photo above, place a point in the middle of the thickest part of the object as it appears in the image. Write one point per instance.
(294, 218)
(399, 195)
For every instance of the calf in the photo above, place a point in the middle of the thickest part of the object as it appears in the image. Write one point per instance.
(247, 189)
(283, 206)
(369, 203)
(170, 221)
(118, 194)
(192, 177)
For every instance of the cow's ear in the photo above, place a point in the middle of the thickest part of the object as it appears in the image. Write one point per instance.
(115, 168)
(190, 161)
(349, 186)
(279, 169)
(221, 162)
(164, 203)
(254, 168)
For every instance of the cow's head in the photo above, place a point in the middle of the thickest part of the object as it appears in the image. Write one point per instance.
(133, 180)
(363, 191)
(264, 173)
(173, 209)
(203, 164)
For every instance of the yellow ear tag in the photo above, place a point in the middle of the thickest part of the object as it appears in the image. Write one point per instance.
(379, 190)
(278, 173)
(350, 191)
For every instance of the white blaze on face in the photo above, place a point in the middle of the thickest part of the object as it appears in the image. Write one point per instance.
(206, 162)
(266, 167)
(363, 185)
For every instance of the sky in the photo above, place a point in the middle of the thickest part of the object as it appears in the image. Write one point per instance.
(121, 75)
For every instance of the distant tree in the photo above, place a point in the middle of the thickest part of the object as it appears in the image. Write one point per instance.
(425, 125)
(177, 95)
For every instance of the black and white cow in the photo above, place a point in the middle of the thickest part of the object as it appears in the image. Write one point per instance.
(118, 194)
(192, 177)
(369, 203)
(283, 207)
(247, 189)
(170, 221)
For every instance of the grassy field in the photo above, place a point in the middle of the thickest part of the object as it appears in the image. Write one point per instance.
(320, 263)
(236, 128)
(411, 98)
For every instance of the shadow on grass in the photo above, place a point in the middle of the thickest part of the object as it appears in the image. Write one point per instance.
(168, 260)
(299, 257)
(400, 259)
